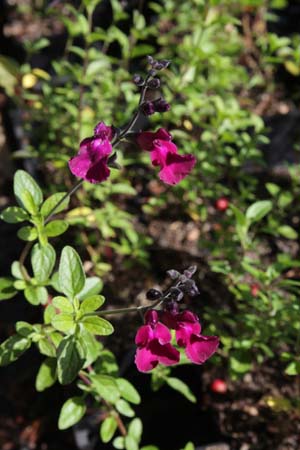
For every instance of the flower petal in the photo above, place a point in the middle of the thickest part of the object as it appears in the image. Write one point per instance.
(145, 360)
(166, 354)
(160, 151)
(143, 335)
(98, 172)
(91, 161)
(104, 131)
(146, 138)
(176, 168)
(200, 348)
(162, 333)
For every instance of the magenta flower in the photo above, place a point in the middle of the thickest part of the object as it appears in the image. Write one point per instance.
(91, 161)
(164, 153)
(198, 348)
(153, 341)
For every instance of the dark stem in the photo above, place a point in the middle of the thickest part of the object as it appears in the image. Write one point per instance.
(132, 122)
(126, 310)
(68, 194)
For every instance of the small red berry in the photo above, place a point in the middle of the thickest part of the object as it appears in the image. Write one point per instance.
(219, 386)
(254, 289)
(222, 204)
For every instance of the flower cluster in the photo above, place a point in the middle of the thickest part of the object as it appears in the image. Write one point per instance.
(93, 160)
(91, 163)
(153, 340)
(164, 153)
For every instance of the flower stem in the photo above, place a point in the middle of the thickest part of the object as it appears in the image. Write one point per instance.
(124, 310)
(68, 194)
(132, 122)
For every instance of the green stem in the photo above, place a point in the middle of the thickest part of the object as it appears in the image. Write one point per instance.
(124, 310)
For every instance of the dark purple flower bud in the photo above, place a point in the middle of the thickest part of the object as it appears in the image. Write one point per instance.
(189, 287)
(157, 65)
(152, 72)
(165, 63)
(190, 271)
(138, 80)
(148, 108)
(172, 307)
(150, 60)
(174, 274)
(153, 294)
(176, 294)
(154, 83)
(161, 105)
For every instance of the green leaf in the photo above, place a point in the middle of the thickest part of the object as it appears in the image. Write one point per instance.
(287, 232)
(92, 348)
(56, 227)
(46, 347)
(25, 329)
(258, 210)
(106, 387)
(71, 412)
(42, 260)
(240, 361)
(92, 286)
(46, 376)
(293, 368)
(273, 188)
(130, 443)
(16, 270)
(150, 447)
(181, 387)
(13, 214)
(135, 429)
(128, 391)
(49, 313)
(118, 443)
(27, 233)
(13, 348)
(71, 274)
(28, 202)
(23, 183)
(189, 446)
(97, 325)
(63, 322)
(124, 408)
(7, 289)
(91, 304)
(36, 295)
(63, 304)
(70, 359)
(108, 429)
(52, 201)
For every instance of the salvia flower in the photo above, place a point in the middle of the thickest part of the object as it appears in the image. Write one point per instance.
(164, 153)
(198, 348)
(92, 159)
(153, 342)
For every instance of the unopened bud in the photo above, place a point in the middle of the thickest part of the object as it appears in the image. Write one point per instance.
(174, 274)
(148, 108)
(154, 83)
(162, 106)
(138, 80)
(150, 60)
